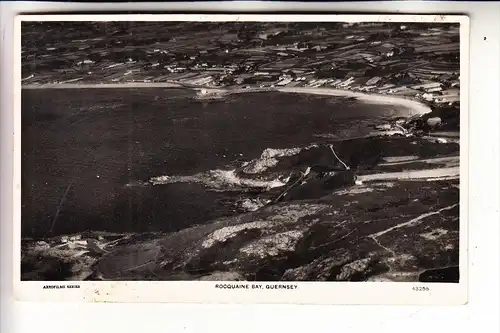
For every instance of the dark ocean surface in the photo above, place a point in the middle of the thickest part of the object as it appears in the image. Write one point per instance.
(82, 148)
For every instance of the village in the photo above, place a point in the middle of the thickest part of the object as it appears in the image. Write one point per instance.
(379, 58)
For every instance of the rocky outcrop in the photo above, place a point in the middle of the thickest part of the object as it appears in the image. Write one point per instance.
(349, 211)
(448, 115)
(351, 235)
(324, 224)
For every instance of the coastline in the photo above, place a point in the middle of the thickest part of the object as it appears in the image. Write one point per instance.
(417, 105)
(396, 221)
(86, 249)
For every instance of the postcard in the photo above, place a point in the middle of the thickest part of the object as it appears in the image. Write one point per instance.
(306, 159)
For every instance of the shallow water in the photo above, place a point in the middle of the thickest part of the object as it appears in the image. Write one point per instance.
(86, 145)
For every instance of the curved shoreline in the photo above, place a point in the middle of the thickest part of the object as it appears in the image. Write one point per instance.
(375, 98)
(418, 107)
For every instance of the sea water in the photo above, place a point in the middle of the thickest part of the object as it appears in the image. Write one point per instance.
(89, 155)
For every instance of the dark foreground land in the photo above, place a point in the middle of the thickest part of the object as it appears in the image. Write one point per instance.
(393, 216)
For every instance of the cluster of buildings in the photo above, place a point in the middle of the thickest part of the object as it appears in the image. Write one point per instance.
(414, 61)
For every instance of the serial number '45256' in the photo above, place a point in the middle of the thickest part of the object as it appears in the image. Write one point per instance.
(420, 288)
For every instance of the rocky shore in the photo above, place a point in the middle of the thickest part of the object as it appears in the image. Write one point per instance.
(384, 207)
(327, 222)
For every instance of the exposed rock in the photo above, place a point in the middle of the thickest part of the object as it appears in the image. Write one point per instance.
(273, 245)
(449, 119)
(222, 276)
(318, 185)
(338, 237)
(268, 159)
(49, 264)
(93, 247)
(434, 122)
(324, 268)
(250, 205)
(360, 270)
(325, 228)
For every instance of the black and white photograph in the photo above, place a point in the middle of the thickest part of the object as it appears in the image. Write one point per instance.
(241, 151)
